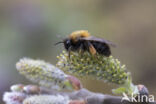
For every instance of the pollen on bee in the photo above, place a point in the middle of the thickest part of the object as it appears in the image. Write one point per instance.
(80, 33)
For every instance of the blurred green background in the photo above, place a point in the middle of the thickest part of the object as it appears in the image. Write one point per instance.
(29, 28)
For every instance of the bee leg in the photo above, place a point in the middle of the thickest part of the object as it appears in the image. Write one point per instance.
(69, 50)
(91, 48)
(81, 49)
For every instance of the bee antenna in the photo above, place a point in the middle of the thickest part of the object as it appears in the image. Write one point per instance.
(58, 43)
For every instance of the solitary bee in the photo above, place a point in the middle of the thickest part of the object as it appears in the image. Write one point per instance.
(81, 40)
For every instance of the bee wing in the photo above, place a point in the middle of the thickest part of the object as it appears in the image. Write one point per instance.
(92, 38)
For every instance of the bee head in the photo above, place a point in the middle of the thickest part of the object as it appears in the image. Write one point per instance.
(67, 43)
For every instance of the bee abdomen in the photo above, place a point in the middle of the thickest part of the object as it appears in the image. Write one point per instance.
(102, 48)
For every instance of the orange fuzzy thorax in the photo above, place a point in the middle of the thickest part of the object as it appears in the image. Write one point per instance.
(79, 34)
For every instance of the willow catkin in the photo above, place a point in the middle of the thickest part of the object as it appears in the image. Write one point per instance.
(107, 69)
(14, 97)
(44, 74)
(47, 99)
(104, 68)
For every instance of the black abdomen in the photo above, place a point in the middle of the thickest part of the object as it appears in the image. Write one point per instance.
(101, 48)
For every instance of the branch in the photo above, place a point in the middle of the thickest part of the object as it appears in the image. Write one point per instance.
(88, 97)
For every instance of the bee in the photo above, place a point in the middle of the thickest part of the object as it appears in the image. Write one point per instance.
(82, 40)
